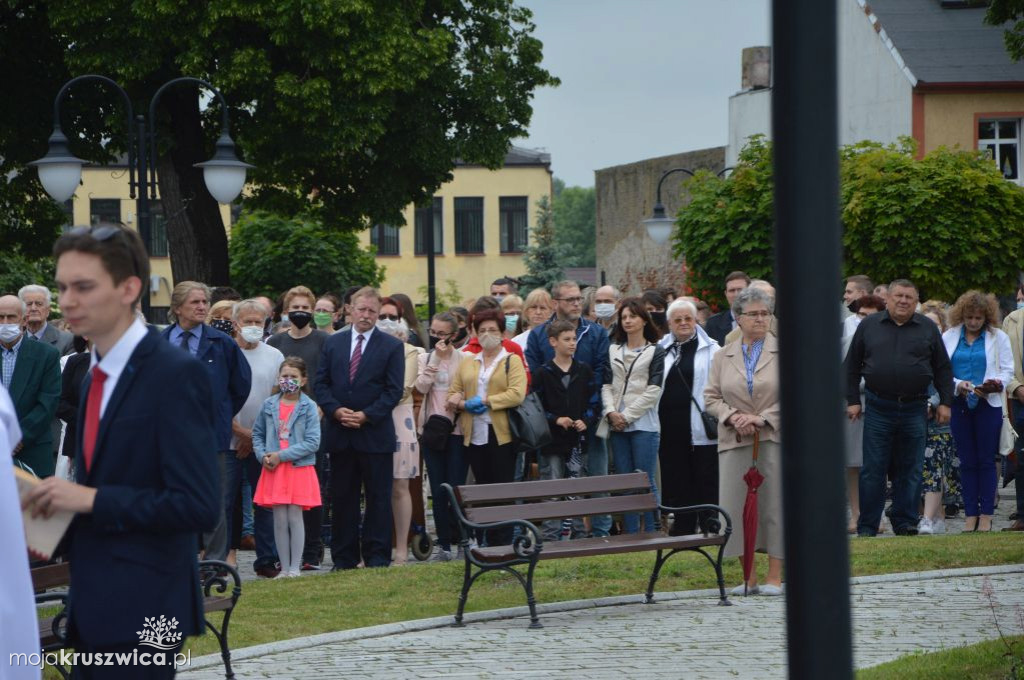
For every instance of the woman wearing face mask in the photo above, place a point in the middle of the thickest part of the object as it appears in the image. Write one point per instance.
(486, 385)
(409, 316)
(301, 339)
(536, 310)
(512, 309)
(407, 454)
(445, 463)
(326, 313)
(655, 305)
(219, 317)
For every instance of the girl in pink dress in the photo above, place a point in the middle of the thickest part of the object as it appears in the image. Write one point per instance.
(285, 438)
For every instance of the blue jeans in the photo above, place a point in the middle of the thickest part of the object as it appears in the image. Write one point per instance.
(976, 433)
(894, 432)
(637, 451)
(448, 466)
(247, 494)
(263, 518)
(596, 465)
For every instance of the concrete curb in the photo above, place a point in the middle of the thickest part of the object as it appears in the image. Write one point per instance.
(418, 625)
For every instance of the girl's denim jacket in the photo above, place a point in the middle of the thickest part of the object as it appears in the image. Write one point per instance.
(303, 431)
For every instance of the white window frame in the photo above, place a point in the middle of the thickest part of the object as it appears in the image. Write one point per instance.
(997, 140)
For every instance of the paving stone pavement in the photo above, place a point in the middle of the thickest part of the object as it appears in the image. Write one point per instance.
(689, 636)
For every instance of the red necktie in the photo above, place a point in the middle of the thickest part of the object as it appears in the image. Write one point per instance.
(353, 364)
(92, 414)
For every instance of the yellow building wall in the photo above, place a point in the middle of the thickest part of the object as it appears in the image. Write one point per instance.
(949, 119)
(112, 182)
(473, 274)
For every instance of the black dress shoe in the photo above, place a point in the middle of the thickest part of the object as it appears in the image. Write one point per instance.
(905, 531)
(1016, 526)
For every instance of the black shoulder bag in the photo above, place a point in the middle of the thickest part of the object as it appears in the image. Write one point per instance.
(527, 422)
(709, 421)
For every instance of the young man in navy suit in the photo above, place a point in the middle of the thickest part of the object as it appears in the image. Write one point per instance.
(358, 384)
(145, 462)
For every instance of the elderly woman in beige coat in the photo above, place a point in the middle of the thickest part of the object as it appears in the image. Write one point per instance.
(743, 393)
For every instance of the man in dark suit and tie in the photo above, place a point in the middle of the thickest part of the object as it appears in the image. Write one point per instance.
(721, 324)
(358, 384)
(230, 379)
(31, 373)
(146, 473)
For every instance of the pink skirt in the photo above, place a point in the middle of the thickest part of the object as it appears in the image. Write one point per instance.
(288, 485)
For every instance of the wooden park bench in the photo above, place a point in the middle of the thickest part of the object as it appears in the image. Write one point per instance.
(51, 583)
(519, 504)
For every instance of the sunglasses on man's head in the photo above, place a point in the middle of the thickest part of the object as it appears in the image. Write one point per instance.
(103, 233)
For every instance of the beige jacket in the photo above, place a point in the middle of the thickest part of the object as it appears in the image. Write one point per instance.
(1013, 325)
(502, 393)
(411, 367)
(726, 392)
(642, 392)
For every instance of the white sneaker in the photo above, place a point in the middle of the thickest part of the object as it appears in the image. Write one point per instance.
(738, 591)
(294, 574)
(939, 526)
(924, 527)
(443, 555)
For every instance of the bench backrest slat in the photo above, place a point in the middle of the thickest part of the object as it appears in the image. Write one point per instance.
(51, 576)
(512, 491)
(556, 509)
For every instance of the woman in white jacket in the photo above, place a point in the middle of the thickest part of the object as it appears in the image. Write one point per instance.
(982, 367)
(689, 459)
(630, 398)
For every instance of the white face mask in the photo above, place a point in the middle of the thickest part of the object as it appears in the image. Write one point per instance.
(490, 341)
(9, 332)
(604, 310)
(252, 333)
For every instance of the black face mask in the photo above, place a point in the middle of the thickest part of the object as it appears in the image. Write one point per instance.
(224, 326)
(434, 341)
(658, 318)
(460, 336)
(339, 324)
(300, 319)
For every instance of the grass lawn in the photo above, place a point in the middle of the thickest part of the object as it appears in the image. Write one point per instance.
(975, 662)
(269, 611)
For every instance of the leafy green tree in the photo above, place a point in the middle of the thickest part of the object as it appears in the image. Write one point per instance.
(949, 221)
(728, 223)
(1001, 11)
(574, 215)
(271, 253)
(359, 107)
(542, 261)
(17, 270)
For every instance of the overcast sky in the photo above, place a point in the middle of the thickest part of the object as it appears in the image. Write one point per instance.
(640, 78)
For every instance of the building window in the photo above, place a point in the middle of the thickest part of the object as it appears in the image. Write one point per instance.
(469, 225)
(1001, 138)
(512, 215)
(385, 237)
(104, 210)
(157, 229)
(430, 216)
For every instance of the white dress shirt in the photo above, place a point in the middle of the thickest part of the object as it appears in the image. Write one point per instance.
(355, 340)
(114, 361)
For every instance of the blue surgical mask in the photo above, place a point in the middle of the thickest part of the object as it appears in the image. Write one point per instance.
(1020, 304)
(510, 322)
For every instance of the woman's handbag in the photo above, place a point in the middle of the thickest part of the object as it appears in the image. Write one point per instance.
(435, 432)
(527, 422)
(709, 421)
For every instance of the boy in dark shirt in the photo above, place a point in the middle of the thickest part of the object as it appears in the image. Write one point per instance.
(565, 387)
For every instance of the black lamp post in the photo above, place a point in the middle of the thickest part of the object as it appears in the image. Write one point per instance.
(60, 172)
(659, 225)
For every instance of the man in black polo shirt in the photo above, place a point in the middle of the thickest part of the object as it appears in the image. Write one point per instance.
(898, 353)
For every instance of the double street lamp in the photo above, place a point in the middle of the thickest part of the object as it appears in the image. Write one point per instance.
(60, 172)
(659, 225)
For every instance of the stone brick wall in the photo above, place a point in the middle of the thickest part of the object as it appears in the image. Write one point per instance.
(626, 257)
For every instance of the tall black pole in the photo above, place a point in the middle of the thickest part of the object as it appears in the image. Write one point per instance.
(805, 131)
(142, 206)
(431, 282)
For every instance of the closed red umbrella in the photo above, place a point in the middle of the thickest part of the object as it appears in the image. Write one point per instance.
(754, 479)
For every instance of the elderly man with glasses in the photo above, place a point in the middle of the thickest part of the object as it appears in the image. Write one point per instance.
(592, 350)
